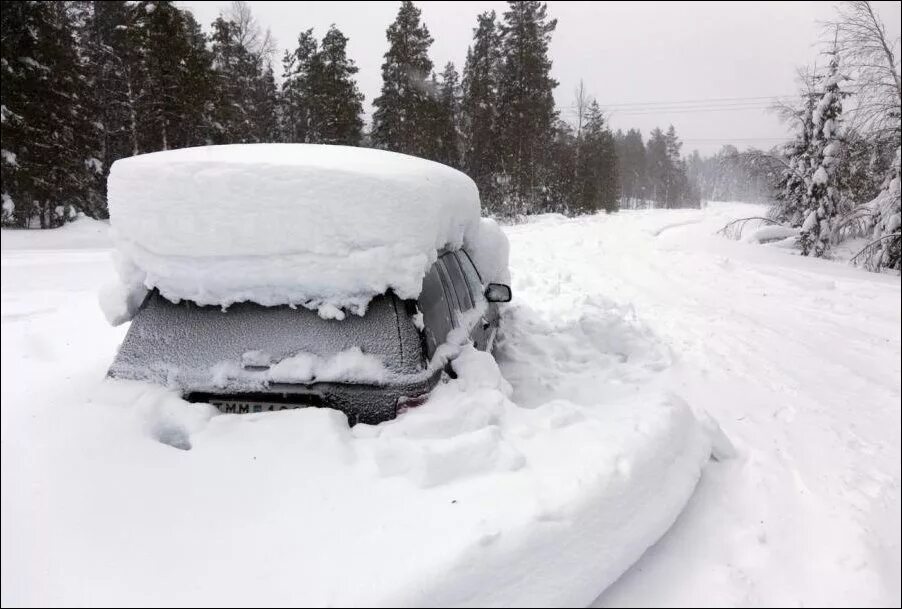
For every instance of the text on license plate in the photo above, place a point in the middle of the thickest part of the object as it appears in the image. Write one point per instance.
(247, 407)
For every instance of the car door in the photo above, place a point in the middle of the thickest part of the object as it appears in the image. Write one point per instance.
(488, 323)
(466, 300)
(435, 303)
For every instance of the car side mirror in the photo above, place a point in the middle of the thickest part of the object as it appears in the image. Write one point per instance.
(498, 292)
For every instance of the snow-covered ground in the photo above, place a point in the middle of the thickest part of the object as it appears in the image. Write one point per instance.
(536, 487)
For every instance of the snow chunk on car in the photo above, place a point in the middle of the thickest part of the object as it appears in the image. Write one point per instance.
(325, 227)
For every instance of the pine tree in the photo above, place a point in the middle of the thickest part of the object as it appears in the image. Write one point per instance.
(598, 183)
(336, 103)
(196, 87)
(560, 189)
(447, 118)
(823, 204)
(792, 189)
(320, 99)
(479, 110)
(631, 158)
(657, 167)
(673, 191)
(404, 107)
(295, 103)
(46, 165)
(886, 211)
(109, 60)
(171, 81)
(526, 104)
(160, 36)
(264, 113)
(235, 75)
(667, 183)
(607, 166)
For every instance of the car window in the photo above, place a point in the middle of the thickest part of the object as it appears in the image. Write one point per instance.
(436, 310)
(458, 282)
(472, 276)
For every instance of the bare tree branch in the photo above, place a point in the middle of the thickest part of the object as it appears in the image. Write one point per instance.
(250, 33)
(867, 51)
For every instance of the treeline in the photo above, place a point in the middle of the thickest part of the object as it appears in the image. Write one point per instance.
(654, 173)
(87, 83)
(724, 176)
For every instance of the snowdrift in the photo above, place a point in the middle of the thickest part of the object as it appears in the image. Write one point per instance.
(468, 500)
(326, 227)
(770, 234)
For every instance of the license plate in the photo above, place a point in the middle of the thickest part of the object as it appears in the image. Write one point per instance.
(247, 407)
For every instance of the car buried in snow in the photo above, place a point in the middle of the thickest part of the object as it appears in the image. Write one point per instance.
(252, 358)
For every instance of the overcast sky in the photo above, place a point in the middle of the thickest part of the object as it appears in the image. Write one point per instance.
(628, 53)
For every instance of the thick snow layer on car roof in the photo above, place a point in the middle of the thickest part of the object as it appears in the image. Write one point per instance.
(327, 227)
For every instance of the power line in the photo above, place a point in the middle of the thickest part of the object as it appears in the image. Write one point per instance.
(716, 140)
(715, 100)
(696, 105)
(693, 107)
(688, 110)
(705, 107)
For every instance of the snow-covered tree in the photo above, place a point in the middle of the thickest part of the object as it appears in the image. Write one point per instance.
(632, 164)
(172, 78)
(235, 71)
(447, 118)
(295, 102)
(526, 103)
(110, 62)
(885, 219)
(667, 183)
(728, 176)
(404, 107)
(871, 58)
(265, 102)
(321, 103)
(823, 196)
(790, 206)
(479, 110)
(46, 163)
(598, 181)
(337, 103)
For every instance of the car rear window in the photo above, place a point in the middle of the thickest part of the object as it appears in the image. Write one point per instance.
(182, 344)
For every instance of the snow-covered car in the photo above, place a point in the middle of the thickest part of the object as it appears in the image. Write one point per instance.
(368, 366)
(269, 276)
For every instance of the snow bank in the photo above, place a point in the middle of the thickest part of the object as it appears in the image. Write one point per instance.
(319, 226)
(462, 501)
(82, 233)
(774, 232)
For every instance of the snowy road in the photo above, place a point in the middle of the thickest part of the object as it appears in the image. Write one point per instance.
(798, 361)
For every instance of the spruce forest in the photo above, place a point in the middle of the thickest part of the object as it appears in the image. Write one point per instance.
(87, 83)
